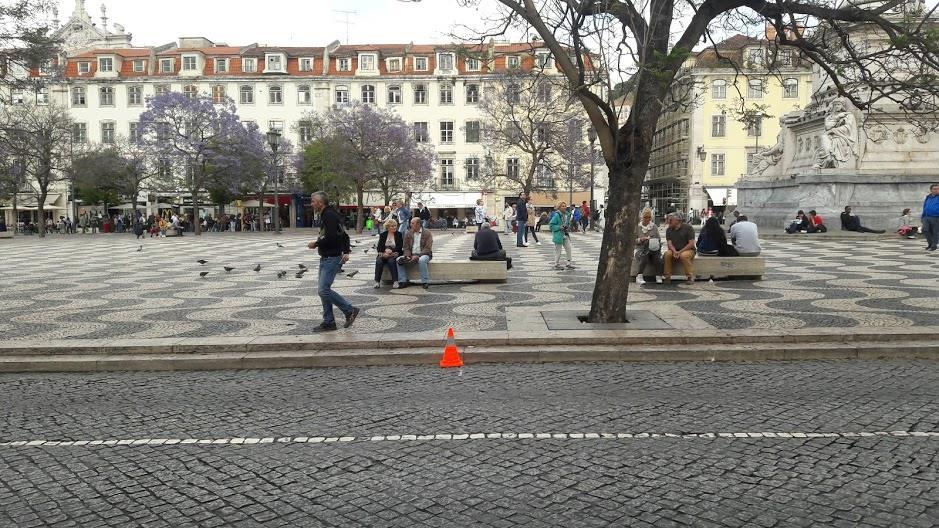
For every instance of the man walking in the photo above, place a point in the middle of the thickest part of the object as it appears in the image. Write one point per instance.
(680, 238)
(521, 220)
(404, 217)
(333, 247)
(584, 216)
(424, 214)
(418, 249)
(507, 216)
(930, 217)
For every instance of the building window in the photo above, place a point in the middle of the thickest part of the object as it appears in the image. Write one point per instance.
(306, 65)
(135, 95)
(344, 65)
(133, 132)
(791, 88)
(218, 94)
(304, 94)
(755, 128)
(79, 132)
(544, 92)
(472, 131)
(750, 164)
(247, 94)
(472, 168)
(545, 60)
(755, 89)
(755, 57)
(472, 93)
(783, 58)
(394, 65)
(420, 132)
(513, 94)
(472, 64)
(166, 65)
(305, 130)
(446, 131)
(78, 96)
(544, 178)
(107, 132)
(541, 133)
(420, 63)
(513, 62)
(189, 63)
(84, 67)
(249, 65)
(139, 66)
(275, 124)
(367, 62)
(446, 94)
(162, 89)
(106, 96)
(420, 94)
(717, 164)
(719, 89)
(274, 63)
(221, 65)
(42, 96)
(342, 94)
(444, 61)
(191, 91)
(275, 94)
(446, 172)
(106, 64)
(394, 94)
(718, 126)
(368, 94)
(512, 169)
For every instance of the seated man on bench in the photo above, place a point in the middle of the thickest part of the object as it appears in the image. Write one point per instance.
(487, 246)
(418, 249)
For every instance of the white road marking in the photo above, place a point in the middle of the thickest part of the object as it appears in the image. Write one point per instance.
(135, 442)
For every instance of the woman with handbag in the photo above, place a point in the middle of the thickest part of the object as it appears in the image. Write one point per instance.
(647, 259)
(389, 248)
(560, 224)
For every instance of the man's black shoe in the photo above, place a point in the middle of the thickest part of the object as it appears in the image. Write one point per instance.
(324, 327)
(351, 317)
(425, 286)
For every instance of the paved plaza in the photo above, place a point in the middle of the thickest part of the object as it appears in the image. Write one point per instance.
(705, 445)
(101, 286)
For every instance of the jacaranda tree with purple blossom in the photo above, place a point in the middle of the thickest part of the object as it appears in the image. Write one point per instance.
(201, 139)
(372, 147)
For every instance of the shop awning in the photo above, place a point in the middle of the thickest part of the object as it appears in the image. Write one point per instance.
(446, 200)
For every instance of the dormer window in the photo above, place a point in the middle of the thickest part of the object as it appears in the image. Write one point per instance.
(274, 62)
(472, 64)
(249, 65)
(84, 68)
(344, 64)
(189, 63)
(306, 65)
(139, 66)
(755, 56)
(420, 63)
(445, 61)
(106, 64)
(394, 65)
(367, 62)
(221, 65)
(166, 65)
(513, 62)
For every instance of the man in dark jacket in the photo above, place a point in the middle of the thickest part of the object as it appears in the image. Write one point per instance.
(334, 250)
(851, 222)
(424, 214)
(521, 220)
(487, 246)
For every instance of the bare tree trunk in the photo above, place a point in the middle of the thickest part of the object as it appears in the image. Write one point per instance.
(359, 208)
(41, 205)
(196, 226)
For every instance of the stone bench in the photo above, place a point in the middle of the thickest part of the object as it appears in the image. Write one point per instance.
(721, 268)
(458, 270)
(472, 229)
(6, 234)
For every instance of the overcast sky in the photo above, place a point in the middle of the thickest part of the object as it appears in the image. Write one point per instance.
(282, 22)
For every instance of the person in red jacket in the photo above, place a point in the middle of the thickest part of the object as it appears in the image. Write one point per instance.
(816, 223)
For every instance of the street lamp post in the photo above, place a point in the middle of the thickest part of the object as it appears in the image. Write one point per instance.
(273, 139)
(592, 136)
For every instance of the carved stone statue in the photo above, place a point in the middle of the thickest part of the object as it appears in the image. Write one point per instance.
(839, 142)
(768, 157)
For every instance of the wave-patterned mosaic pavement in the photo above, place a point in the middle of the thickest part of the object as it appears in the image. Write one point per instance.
(101, 286)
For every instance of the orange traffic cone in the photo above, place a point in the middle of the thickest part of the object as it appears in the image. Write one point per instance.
(451, 356)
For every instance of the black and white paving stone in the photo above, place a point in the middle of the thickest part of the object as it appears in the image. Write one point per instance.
(767, 444)
(101, 287)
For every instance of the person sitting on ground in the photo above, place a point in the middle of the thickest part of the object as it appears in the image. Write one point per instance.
(851, 222)
(647, 260)
(712, 240)
(745, 237)
(418, 249)
(905, 225)
(487, 246)
(800, 224)
(816, 224)
(390, 246)
(679, 237)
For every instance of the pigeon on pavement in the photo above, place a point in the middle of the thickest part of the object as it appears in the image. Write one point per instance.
(203, 262)
(279, 245)
(257, 268)
(139, 249)
(301, 266)
(281, 274)
(203, 274)
(228, 269)
(352, 273)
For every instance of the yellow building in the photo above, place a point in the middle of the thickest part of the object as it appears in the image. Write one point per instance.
(727, 106)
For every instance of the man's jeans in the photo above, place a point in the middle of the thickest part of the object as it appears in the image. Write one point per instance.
(931, 230)
(422, 264)
(520, 235)
(329, 267)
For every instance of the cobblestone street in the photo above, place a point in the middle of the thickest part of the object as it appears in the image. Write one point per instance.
(763, 444)
(115, 291)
